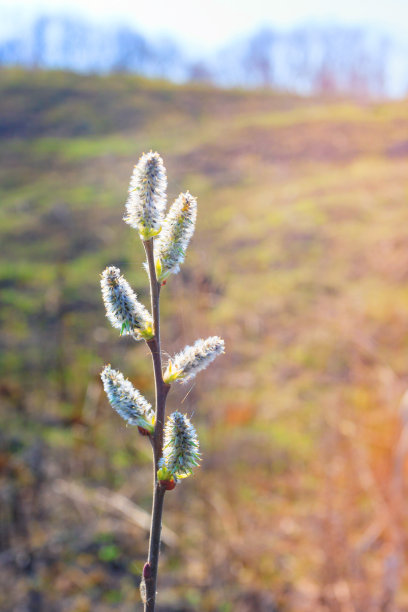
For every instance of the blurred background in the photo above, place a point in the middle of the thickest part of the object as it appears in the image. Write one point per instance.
(289, 122)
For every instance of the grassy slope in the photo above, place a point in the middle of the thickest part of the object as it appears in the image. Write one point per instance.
(299, 261)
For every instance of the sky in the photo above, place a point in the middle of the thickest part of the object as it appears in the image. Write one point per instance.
(207, 24)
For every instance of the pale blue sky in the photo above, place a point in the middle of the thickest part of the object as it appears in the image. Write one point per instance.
(207, 24)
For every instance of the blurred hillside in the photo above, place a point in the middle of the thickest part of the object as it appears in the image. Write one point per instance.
(299, 260)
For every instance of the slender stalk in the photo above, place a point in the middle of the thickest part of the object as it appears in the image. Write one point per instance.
(162, 389)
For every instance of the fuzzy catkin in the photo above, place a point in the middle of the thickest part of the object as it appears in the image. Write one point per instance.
(192, 359)
(147, 195)
(178, 227)
(181, 447)
(126, 400)
(123, 309)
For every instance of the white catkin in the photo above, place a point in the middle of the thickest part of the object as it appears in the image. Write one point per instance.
(147, 195)
(126, 400)
(180, 446)
(192, 359)
(123, 309)
(178, 227)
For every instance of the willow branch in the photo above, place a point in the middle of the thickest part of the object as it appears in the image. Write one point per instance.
(162, 389)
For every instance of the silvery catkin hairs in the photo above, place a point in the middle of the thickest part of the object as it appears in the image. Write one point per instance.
(126, 400)
(192, 359)
(180, 448)
(178, 228)
(174, 441)
(147, 196)
(123, 309)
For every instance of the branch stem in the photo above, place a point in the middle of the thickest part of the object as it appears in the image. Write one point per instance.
(154, 547)
(162, 390)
